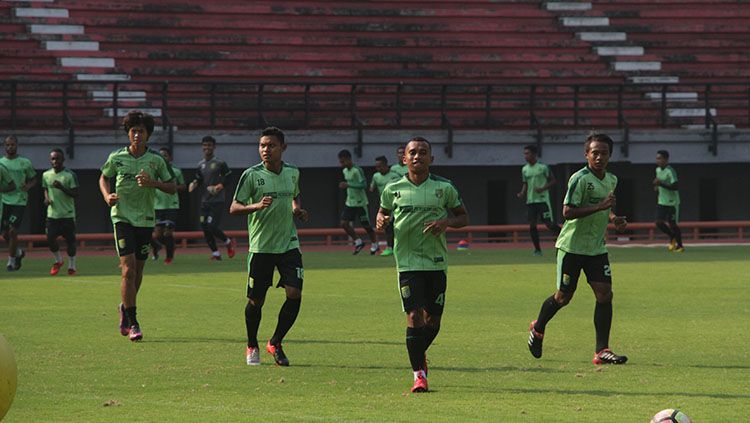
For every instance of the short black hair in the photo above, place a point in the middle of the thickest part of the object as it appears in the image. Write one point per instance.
(421, 139)
(663, 153)
(381, 159)
(137, 117)
(273, 131)
(209, 139)
(532, 148)
(58, 150)
(12, 137)
(345, 154)
(596, 136)
(167, 149)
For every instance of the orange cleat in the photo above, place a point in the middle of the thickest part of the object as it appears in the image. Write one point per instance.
(55, 268)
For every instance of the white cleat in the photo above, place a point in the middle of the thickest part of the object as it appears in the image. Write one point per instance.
(252, 356)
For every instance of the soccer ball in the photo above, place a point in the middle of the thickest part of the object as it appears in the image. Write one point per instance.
(8, 374)
(671, 415)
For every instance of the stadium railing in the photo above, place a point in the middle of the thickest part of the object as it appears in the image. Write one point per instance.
(637, 232)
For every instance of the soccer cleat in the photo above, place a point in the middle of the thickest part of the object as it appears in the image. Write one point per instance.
(679, 249)
(124, 324)
(537, 253)
(373, 252)
(420, 384)
(252, 356)
(55, 268)
(230, 247)
(10, 268)
(672, 245)
(168, 260)
(215, 258)
(278, 354)
(535, 341)
(606, 356)
(18, 260)
(72, 272)
(155, 256)
(358, 248)
(387, 252)
(135, 332)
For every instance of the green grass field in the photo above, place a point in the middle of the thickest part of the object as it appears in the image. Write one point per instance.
(679, 317)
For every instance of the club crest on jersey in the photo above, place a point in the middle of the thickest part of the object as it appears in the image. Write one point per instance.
(213, 166)
(439, 193)
(589, 186)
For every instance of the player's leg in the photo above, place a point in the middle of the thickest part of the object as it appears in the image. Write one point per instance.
(12, 217)
(433, 311)
(52, 230)
(599, 274)
(292, 276)
(206, 226)
(347, 219)
(568, 272)
(168, 241)
(548, 219)
(673, 217)
(156, 237)
(413, 299)
(217, 211)
(259, 278)
(364, 220)
(532, 215)
(388, 251)
(69, 234)
(662, 217)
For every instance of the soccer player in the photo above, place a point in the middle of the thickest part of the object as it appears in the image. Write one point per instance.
(668, 203)
(167, 208)
(60, 192)
(537, 179)
(268, 193)
(587, 209)
(138, 173)
(400, 167)
(6, 185)
(356, 203)
(417, 207)
(14, 202)
(212, 174)
(383, 176)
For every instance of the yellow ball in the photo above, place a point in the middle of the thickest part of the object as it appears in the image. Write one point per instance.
(8, 376)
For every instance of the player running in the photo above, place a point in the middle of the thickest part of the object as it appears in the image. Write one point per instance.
(382, 177)
(60, 186)
(356, 203)
(537, 180)
(587, 209)
(269, 194)
(167, 207)
(417, 207)
(14, 201)
(668, 202)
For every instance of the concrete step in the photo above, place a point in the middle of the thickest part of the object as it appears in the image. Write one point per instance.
(37, 12)
(695, 112)
(654, 79)
(56, 29)
(636, 66)
(71, 45)
(656, 96)
(108, 112)
(619, 51)
(559, 6)
(584, 21)
(102, 77)
(601, 36)
(121, 95)
(30, 1)
(87, 62)
(703, 127)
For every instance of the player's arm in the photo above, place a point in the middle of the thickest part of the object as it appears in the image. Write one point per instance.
(383, 219)
(70, 192)
(222, 178)
(571, 212)
(620, 222)
(671, 187)
(521, 194)
(109, 198)
(459, 219)
(238, 208)
(47, 200)
(551, 181)
(196, 182)
(298, 211)
(144, 180)
(10, 187)
(30, 183)
(180, 187)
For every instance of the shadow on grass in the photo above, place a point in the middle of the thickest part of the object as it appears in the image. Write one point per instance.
(199, 340)
(596, 393)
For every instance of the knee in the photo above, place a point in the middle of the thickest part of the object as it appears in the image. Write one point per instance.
(293, 293)
(128, 273)
(256, 302)
(205, 225)
(604, 297)
(563, 298)
(431, 320)
(415, 318)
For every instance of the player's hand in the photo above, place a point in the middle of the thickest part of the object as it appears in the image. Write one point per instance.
(343, 185)
(382, 222)
(193, 185)
(655, 182)
(112, 199)
(264, 203)
(435, 227)
(211, 190)
(301, 214)
(47, 201)
(57, 184)
(218, 187)
(620, 223)
(608, 202)
(520, 194)
(143, 179)
(539, 190)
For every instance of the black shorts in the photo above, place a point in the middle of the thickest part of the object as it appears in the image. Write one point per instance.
(260, 267)
(65, 228)
(131, 239)
(12, 216)
(423, 289)
(569, 268)
(211, 213)
(666, 213)
(167, 217)
(535, 210)
(350, 214)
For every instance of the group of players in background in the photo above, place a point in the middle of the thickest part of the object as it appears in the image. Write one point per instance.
(415, 208)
